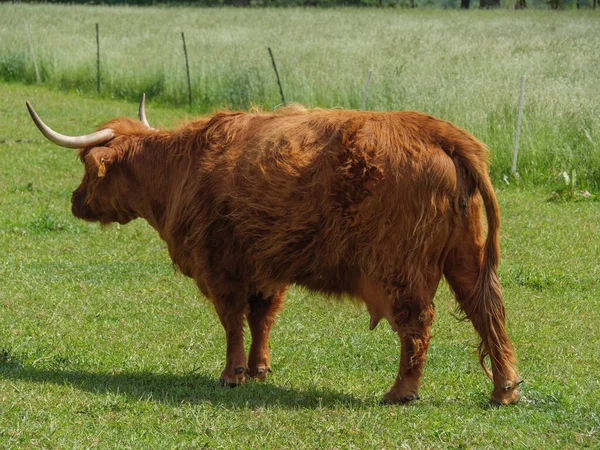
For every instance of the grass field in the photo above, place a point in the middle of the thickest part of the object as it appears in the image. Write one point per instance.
(104, 345)
(464, 66)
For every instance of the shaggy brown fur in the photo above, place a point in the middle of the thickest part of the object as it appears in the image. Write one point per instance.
(378, 206)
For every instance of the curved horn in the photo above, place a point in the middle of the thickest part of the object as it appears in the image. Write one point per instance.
(142, 111)
(88, 140)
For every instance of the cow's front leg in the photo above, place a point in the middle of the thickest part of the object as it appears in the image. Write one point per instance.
(261, 318)
(413, 323)
(231, 310)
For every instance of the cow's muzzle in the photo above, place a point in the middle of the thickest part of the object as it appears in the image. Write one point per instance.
(79, 208)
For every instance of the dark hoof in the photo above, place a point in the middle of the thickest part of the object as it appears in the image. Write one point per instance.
(224, 383)
(400, 401)
(233, 380)
(259, 373)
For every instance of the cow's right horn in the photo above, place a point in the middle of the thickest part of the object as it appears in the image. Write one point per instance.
(88, 140)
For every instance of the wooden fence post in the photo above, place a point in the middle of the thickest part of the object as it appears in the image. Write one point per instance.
(37, 72)
(187, 68)
(98, 58)
(366, 91)
(518, 131)
(277, 75)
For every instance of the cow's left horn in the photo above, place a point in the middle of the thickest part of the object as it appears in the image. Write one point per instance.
(142, 112)
(88, 140)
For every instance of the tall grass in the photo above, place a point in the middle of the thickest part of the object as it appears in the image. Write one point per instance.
(463, 66)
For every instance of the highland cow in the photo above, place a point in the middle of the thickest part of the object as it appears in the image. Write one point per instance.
(372, 206)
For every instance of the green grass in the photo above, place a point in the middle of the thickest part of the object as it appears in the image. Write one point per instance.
(103, 344)
(464, 66)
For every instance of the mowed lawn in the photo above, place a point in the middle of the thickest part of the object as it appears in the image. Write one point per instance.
(103, 344)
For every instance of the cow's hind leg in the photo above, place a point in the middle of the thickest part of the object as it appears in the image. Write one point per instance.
(261, 317)
(231, 310)
(412, 317)
(410, 312)
(484, 308)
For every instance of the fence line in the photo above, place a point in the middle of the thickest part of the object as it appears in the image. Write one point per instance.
(187, 68)
(363, 102)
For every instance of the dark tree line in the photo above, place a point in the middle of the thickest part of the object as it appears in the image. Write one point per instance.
(522, 4)
(464, 4)
(487, 4)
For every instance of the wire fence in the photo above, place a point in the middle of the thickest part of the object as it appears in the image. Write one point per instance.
(521, 120)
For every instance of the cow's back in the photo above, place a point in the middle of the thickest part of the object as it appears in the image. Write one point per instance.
(321, 197)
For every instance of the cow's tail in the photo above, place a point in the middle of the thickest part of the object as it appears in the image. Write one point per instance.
(488, 288)
(485, 301)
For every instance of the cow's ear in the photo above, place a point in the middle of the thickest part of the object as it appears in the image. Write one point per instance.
(101, 158)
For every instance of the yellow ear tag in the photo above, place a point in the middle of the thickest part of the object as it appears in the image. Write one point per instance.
(102, 169)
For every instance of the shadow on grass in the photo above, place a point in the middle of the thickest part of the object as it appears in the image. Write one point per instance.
(177, 389)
